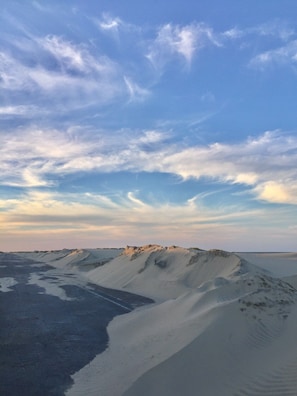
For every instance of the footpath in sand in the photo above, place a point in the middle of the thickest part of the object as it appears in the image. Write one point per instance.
(222, 324)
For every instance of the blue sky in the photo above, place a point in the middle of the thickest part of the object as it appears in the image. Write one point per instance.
(148, 122)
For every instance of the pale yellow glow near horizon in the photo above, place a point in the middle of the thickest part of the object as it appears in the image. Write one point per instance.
(42, 220)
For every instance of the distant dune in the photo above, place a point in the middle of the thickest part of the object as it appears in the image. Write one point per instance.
(222, 323)
(79, 259)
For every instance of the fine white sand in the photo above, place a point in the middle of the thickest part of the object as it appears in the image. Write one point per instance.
(221, 325)
(51, 285)
(6, 284)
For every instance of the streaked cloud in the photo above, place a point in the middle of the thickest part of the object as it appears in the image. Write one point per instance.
(109, 23)
(267, 163)
(28, 155)
(233, 33)
(276, 28)
(69, 56)
(181, 41)
(267, 160)
(60, 71)
(18, 110)
(136, 92)
(285, 55)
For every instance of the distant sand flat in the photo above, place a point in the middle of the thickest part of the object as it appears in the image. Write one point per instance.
(223, 324)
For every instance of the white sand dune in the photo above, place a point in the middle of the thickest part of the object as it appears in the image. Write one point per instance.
(221, 326)
(162, 273)
(78, 259)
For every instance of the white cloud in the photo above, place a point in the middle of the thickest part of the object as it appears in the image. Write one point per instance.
(282, 55)
(78, 79)
(182, 41)
(109, 23)
(151, 137)
(17, 110)
(135, 91)
(267, 164)
(11, 73)
(68, 55)
(233, 33)
(277, 28)
(114, 25)
(26, 156)
(278, 192)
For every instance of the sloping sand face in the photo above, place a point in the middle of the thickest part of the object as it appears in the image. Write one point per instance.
(221, 326)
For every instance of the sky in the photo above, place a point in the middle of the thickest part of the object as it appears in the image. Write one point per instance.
(130, 123)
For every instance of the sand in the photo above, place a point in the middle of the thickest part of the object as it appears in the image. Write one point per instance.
(73, 259)
(222, 324)
(6, 284)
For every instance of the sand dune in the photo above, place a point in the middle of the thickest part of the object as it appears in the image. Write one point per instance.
(162, 273)
(222, 324)
(78, 259)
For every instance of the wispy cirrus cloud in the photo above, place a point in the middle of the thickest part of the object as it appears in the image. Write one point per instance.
(276, 28)
(58, 70)
(19, 110)
(136, 92)
(28, 155)
(184, 41)
(69, 56)
(75, 69)
(109, 23)
(116, 26)
(285, 55)
(266, 164)
(277, 36)
(180, 41)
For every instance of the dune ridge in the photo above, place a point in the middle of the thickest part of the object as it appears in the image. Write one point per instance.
(221, 325)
